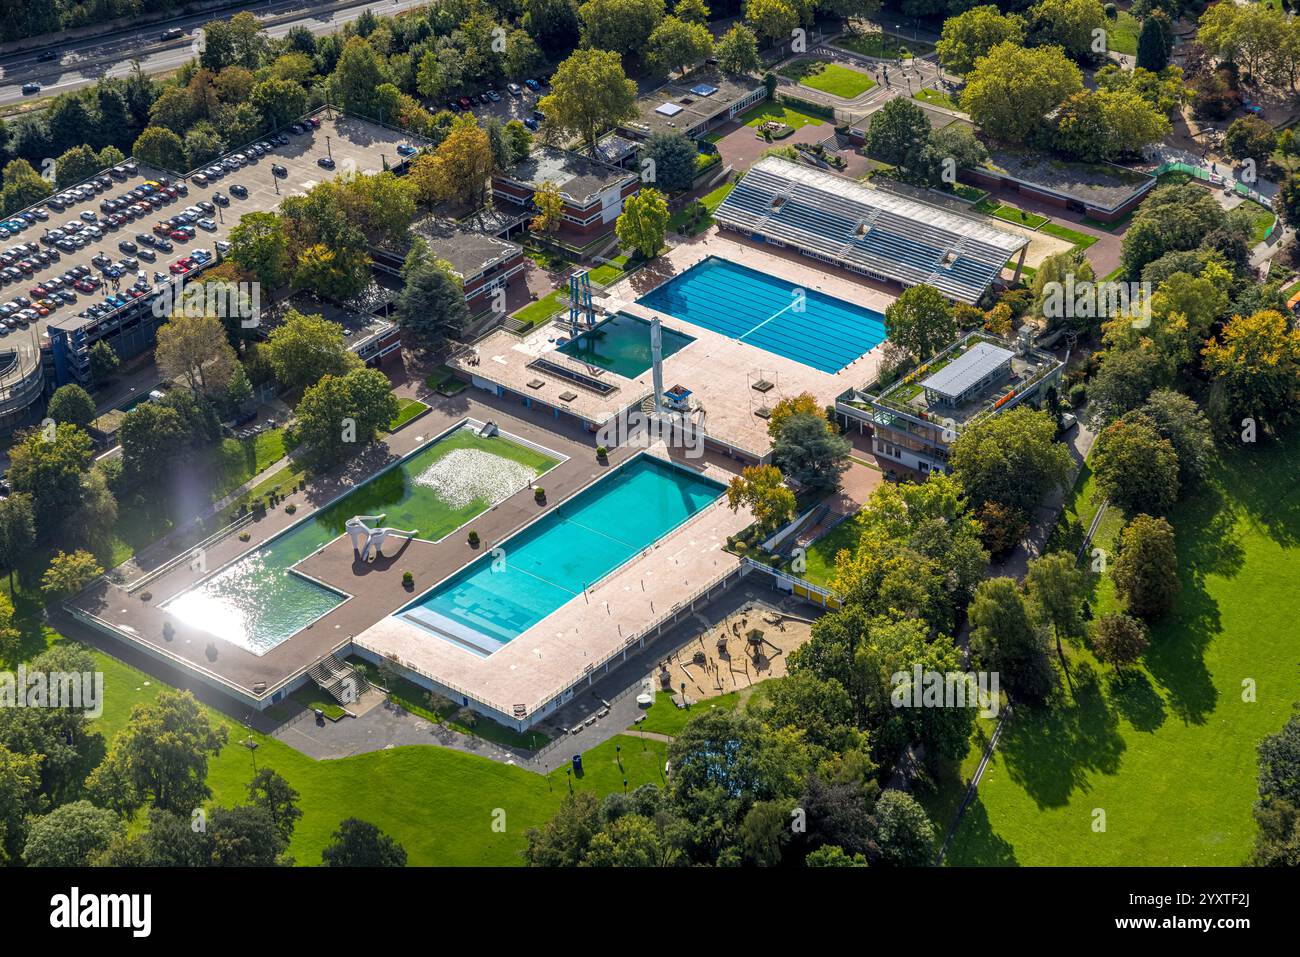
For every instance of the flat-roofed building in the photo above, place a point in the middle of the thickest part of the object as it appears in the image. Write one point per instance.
(483, 261)
(1102, 191)
(869, 231)
(593, 191)
(915, 419)
(703, 100)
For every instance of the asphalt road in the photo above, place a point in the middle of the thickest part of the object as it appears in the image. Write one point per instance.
(83, 62)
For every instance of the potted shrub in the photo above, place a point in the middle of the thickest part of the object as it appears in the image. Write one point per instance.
(408, 580)
(473, 539)
(601, 453)
(539, 495)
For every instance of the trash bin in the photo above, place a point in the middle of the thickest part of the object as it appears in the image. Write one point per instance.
(577, 764)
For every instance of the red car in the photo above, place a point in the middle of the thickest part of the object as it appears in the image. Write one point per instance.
(180, 236)
(315, 123)
(38, 292)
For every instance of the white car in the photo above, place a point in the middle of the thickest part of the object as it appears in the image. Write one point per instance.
(209, 224)
(223, 247)
(89, 216)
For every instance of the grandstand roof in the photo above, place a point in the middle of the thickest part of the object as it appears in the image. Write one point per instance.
(868, 229)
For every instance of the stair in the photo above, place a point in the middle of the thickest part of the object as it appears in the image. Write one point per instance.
(337, 679)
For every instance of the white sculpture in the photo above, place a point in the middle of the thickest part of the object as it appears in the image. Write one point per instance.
(374, 537)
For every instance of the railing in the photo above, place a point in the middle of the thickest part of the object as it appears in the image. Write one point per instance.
(187, 554)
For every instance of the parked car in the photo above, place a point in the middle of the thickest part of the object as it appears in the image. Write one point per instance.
(278, 170)
(325, 162)
(513, 89)
(238, 190)
(30, 88)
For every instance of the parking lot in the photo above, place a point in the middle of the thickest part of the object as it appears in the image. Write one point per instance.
(355, 146)
(506, 108)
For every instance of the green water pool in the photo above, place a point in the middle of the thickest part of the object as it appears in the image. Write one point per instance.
(257, 602)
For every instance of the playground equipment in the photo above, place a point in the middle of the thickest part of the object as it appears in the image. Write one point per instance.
(358, 530)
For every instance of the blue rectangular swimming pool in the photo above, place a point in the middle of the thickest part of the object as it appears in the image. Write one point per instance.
(764, 311)
(499, 597)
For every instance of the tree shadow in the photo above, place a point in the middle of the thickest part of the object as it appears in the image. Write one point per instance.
(975, 844)
(1051, 750)
(1131, 693)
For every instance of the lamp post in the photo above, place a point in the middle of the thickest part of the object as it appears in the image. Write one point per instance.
(252, 749)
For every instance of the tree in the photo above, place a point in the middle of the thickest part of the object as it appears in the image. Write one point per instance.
(245, 836)
(623, 26)
(279, 101)
(589, 94)
(17, 533)
(554, 24)
(643, 222)
(49, 466)
(673, 154)
(550, 210)
(920, 320)
(337, 275)
(195, 348)
(804, 403)
(258, 245)
(23, 185)
(431, 305)
(1287, 201)
(1007, 639)
(737, 51)
(1057, 590)
(273, 794)
(1145, 570)
(1255, 361)
(1152, 48)
(1107, 124)
(904, 834)
(1172, 217)
(811, 454)
(20, 796)
(679, 44)
(1250, 138)
(1011, 459)
(357, 76)
(160, 757)
(1120, 640)
(1071, 24)
(160, 147)
(761, 489)
(1279, 764)
(76, 164)
(972, 33)
(340, 414)
(898, 135)
(1011, 90)
(71, 404)
(458, 170)
(771, 19)
(305, 348)
(1179, 419)
(70, 836)
(151, 433)
(104, 361)
(692, 11)
(1136, 468)
(359, 843)
(829, 855)
(564, 839)
(630, 841)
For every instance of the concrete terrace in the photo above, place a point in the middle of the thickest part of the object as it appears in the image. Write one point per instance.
(562, 649)
(374, 594)
(720, 371)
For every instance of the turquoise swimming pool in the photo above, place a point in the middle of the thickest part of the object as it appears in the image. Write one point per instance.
(498, 597)
(764, 311)
(621, 344)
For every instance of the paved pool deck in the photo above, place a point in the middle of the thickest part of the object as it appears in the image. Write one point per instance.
(376, 588)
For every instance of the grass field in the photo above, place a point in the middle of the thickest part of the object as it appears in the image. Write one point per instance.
(1169, 754)
(407, 409)
(1261, 219)
(1122, 33)
(1080, 240)
(884, 46)
(820, 558)
(711, 200)
(437, 803)
(664, 717)
(607, 274)
(832, 78)
(936, 98)
(782, 113)
(1010, 214)
(536, 313)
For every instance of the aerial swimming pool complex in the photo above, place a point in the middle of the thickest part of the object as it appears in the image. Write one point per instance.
(558, 557)
(770, 313)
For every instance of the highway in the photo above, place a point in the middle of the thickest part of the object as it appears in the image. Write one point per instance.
(83, 62)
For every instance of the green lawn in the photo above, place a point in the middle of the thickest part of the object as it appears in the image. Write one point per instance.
(883, 46)
(1261, 219)
(832, 78)
(711, 200)
(1122, 33)
(1080, 240)
(444, 381)
(936, 98)
(781, 113)
(820, 558)
(536, 313)
(406, 411)
(1168, 754)
(607, 274)
(1011, 214)
(664, 717)
(436, 802)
